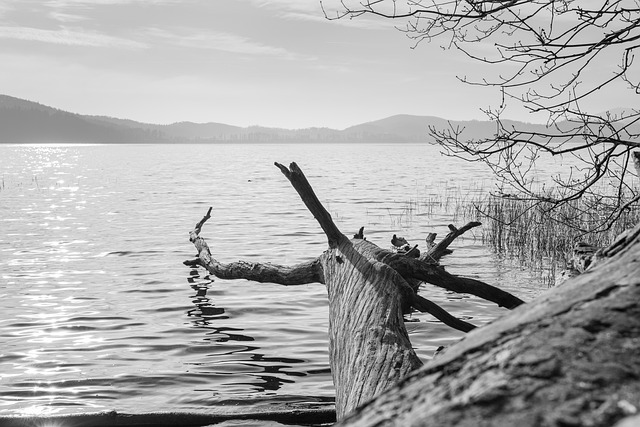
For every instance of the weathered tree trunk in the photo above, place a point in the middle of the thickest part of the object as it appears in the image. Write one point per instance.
(569, 358)
(369, 289)
(369, 348)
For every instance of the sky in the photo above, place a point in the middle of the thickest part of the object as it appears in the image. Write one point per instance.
(243, 62)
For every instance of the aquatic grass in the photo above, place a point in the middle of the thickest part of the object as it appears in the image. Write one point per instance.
(529, 233)
(403, 215)
(538, 236)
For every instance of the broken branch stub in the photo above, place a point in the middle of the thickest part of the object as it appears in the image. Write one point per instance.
(305, 191)
(436, 251)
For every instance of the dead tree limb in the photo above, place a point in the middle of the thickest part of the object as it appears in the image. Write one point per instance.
(426, 306)
(430, 273)
(369, 290)
(300, 274)
(308, 196)
(426, 269)
(442, 248)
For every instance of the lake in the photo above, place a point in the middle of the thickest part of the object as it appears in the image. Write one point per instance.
(99, 313)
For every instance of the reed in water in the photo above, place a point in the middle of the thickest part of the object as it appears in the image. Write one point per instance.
(530, 233)
(538, 236)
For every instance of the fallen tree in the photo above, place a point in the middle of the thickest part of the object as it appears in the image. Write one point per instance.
(369, 290)
(569, 358)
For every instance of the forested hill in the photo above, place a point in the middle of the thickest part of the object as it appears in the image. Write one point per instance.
(29, 122)
(24, 121)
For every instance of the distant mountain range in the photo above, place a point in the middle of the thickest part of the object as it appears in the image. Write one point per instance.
(24, 121)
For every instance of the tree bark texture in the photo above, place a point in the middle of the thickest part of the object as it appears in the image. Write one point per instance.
(569, 358)
(369, 289)
(369, 348)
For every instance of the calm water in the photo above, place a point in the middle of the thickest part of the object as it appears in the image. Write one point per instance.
(99, 313)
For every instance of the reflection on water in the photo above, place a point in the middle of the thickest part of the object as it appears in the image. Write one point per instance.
(268, 373)
(98, 312)
(205, 312)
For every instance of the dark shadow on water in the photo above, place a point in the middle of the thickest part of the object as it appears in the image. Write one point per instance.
(262, 373)
(205, 311)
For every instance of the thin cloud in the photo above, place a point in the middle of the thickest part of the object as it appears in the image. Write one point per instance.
(312, 17)
(67, 3)
(7, 6)
(364, 23)
(67, 17)
(290, 5)
(226, 42)
(4, 9)
(68, 37)
(318, 13)
(293, 9)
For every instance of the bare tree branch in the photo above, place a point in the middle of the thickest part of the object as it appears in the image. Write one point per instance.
(546, 53)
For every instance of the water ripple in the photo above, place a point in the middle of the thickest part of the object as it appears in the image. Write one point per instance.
(99, 313)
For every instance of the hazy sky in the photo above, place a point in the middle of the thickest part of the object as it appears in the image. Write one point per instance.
(241, 62)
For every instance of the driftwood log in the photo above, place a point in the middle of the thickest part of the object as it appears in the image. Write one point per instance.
(172, 419)
(569, 358)
(369, 289)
